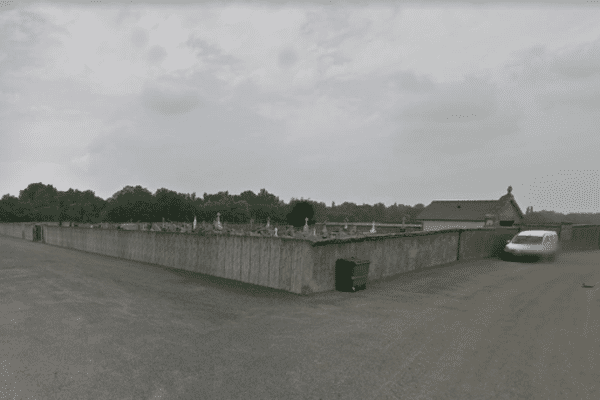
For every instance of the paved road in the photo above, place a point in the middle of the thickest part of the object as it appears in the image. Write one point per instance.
(80, 326)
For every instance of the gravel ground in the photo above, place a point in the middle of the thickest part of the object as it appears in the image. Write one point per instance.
(80, 326)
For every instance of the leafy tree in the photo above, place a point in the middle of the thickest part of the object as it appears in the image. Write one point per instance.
(40, 202)
(170, 205)
(11, 209)
(300, 210)
(378, 212)
(238, 212)
(130, 204)
(248, 196)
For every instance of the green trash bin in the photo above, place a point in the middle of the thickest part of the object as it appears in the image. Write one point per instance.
(351, 274)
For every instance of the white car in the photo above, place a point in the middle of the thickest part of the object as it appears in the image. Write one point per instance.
(540, 244)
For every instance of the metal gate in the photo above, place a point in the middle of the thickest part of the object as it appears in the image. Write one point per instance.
(37, 233)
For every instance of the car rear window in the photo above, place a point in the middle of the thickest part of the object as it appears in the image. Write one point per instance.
(527, 239)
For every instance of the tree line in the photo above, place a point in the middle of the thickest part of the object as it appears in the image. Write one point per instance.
(43, 203)
(553, 217)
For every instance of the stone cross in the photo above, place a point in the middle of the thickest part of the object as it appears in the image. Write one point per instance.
(373, 228)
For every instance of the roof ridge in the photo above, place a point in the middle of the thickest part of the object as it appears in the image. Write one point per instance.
(440, 201)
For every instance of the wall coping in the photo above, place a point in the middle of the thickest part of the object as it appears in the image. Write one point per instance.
(373, 237)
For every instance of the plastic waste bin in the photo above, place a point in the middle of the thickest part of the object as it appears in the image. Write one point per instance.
(351, 274)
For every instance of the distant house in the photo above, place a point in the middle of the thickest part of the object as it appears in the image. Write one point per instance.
(464, 214)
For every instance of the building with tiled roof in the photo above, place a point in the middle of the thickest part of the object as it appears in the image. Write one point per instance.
(465, 214)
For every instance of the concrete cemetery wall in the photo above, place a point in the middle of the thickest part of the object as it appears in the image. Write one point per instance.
(388, 255)
(23, 230)
(294, 265)
(484, 243)
(266, 261)
(583, 237)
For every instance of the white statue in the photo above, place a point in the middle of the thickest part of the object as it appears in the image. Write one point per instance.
(218, 223)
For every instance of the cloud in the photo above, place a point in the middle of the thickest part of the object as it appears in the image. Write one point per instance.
(455, 118)
(343, 97)
(139, 37)
(579, 62)
(82, 162)
(287, 57)
(411, 82)
(471, 99)
(209, 53)
(567, 77)
(156, 54)
(228, 143)
(26, 39)
(169, 99)
(330, 29)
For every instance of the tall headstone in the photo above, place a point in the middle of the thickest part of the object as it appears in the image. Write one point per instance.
(275, 232)
(306, 225)
(346, 223)
(268, 222)
(324, 229)
(195, 221)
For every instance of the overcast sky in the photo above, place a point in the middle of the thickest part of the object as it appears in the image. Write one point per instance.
(385, 102)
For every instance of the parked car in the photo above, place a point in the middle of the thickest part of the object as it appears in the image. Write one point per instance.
(538, 244)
